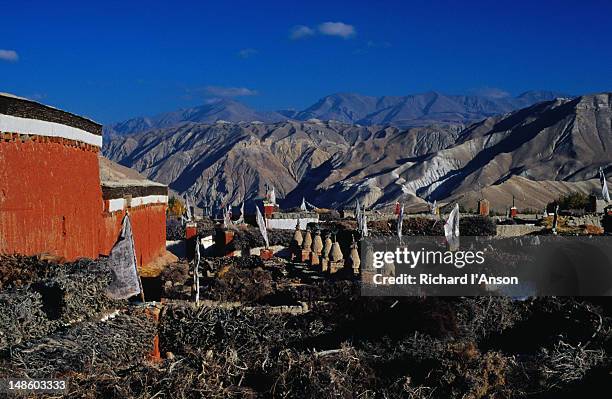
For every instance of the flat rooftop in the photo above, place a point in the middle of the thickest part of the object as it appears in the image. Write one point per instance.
(20, 107)
(118, 181)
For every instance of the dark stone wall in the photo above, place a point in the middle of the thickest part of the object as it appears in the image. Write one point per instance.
(33, 110)
(134, 191)
(607, 223)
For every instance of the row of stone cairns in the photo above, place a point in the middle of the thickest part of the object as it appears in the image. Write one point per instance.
(326, 256)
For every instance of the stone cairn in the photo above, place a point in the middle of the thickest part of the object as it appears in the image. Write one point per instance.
(368, 271)
(336, 261)
(326, 253)
(354, 261)
(295, 247)
(316, 249)
(306, 247)
(323, 255)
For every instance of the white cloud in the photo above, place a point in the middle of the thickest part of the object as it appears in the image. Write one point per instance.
(9, 55)
(340, 29)
(301, 32)
(247, 52)
(229, 91)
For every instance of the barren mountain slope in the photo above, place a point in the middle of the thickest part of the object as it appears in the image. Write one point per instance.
(561, 140)
(220, 109)
(332, 164)
(528, 194)
(418, 109)
(403, 111)
(227, 163)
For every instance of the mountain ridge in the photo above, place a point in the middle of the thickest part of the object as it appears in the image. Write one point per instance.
(213, 111)
(562, 142)
(404, 111)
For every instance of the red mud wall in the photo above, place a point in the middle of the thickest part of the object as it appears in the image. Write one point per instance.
(50, 198)
(149, 229)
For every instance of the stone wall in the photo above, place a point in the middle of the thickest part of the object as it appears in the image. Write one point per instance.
(149, 229)
(576, 221)
(22, 108)
(110, 192)
(514, 230)
(51, 202)
(50, 199)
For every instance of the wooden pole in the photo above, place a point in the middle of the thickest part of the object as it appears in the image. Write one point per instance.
(196, 277)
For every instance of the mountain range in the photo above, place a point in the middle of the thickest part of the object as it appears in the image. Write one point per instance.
(533, 154)
(402, 111)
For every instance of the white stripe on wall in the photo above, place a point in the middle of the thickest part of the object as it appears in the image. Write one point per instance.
(289, 224)
(118, 204)
(15, 124)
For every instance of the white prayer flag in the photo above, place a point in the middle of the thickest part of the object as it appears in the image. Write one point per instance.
(400, 220)
(262, 226)
(358, 215)
(364, 225)
(122, 261)
(451, 229)
(555, 219)
(227, 221)
(272, 196)
(188, 210)
(303, 206)
(604, 185)
(241, 219)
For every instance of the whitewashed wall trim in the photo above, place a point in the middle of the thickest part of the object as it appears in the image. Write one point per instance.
(15, 124)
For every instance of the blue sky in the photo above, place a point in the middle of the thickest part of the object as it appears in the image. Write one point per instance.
(114, 60)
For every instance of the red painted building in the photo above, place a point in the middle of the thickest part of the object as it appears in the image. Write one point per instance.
(52, 200)
(125, 190)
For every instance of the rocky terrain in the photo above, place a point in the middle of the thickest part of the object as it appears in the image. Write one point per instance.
(226, 163)
(418, 109)
(403, 111)
(559, 143)
(211, 112)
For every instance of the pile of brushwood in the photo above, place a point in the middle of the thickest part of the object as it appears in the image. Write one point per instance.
(245, 279)
(39, 297)
(18, 271)
(412, 226)
(248, 280)
(206, 226)
(384, 347)
(120, 341)
(176, 280)
(247, 237)
(359, 347)
(346, 345)
(57, 322)
(175, 230)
